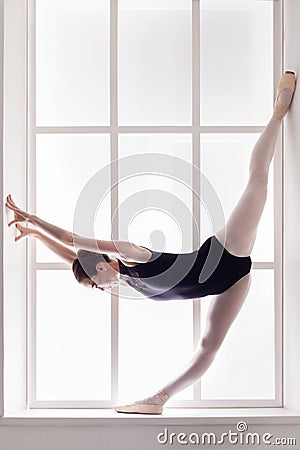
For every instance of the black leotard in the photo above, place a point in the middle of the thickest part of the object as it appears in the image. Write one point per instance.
(172, 276)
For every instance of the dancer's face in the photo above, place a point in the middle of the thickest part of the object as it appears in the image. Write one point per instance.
(87, 282)
(106, 276)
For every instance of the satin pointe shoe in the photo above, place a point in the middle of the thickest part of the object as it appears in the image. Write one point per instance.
(139, 408)
(287, 81)
(144, 408)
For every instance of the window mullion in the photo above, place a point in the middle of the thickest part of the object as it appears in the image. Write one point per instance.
(278, 57)
(152, 129)
(114, 191)
(31, 203)
(196, 165)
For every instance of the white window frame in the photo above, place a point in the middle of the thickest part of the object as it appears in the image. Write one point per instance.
(1, 196)
(113, 129)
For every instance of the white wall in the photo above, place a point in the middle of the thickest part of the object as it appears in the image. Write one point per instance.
(126, 437)
(14, 164)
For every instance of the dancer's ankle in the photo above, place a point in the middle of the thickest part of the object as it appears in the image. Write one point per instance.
(160, 398)
(277, 117)
(161, 394)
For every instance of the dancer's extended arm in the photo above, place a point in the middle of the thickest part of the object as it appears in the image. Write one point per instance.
(126, 250)
(63, 252)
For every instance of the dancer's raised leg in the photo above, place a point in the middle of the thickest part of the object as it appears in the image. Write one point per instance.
(239, 233)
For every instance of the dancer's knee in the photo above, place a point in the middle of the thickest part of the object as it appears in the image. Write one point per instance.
(211, 343)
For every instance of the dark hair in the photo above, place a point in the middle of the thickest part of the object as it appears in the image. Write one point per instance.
(89, 261)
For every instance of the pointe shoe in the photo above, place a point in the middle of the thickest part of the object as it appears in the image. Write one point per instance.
(287, 81)
(144, 408)
(140, 408)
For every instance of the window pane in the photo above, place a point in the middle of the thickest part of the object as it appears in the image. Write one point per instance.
(156, 220)
(156, 210)
(152, 351)
(155, 64)
(72, 62)
(72, 339)
(64, 165)
(236, 54)
(245, 364)
(225, 160)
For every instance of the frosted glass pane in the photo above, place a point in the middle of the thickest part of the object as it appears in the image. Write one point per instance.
(156, 210)
(155, 62)
(72, 340)
(155, 343)
(225, 160)
(72, 62)
(64, 165)
(236, 62)
(244, 366)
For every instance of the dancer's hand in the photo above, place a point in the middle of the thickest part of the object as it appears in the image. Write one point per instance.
(25, 232)
(19, 214)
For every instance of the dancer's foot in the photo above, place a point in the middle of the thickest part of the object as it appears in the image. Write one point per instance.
(149, 405)
(285, 91)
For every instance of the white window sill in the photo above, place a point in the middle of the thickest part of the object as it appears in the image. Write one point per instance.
(170, 416)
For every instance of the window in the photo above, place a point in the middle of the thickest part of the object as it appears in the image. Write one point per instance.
(114, 80)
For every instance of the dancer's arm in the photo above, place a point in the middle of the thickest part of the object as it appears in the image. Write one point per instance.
(124, 249)
(63, 252)
(20, 215)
